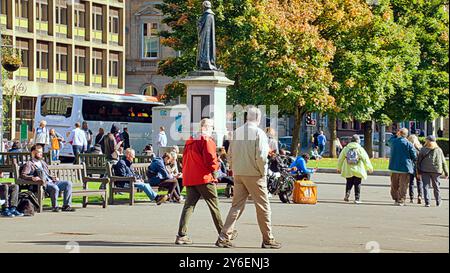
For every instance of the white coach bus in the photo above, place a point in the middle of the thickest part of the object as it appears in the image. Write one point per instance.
(100, 111)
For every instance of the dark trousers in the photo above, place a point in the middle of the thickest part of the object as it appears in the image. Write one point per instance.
(209, 193)
(171, 186)
(9, 193)
(353, 181)
(411, 186)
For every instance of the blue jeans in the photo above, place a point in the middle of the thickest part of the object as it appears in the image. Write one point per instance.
(147, 189)
(76, 151)
(321, 149)
(428, 179)
(53, 189)
(55, 154)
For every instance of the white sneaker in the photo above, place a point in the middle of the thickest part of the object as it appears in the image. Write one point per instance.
(2, 202)
(357, 202)
(270, 195)
(427, 205)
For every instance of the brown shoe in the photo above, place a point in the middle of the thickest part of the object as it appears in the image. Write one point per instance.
(161, 199)
(224, 243)
(271, 244)
(419, 200)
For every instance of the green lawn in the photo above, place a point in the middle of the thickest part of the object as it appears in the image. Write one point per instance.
(140, 196)
(379, 164)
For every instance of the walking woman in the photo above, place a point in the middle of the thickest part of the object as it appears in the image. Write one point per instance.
(417, 146)
(431, 165)
(353, 164)
(56, 143)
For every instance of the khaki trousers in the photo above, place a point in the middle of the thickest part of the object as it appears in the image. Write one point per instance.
(399, 186)
(209, 194)
(257, 188)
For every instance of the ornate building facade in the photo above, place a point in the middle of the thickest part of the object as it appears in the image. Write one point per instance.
(144, 50)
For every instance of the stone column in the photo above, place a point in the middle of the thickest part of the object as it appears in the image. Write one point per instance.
(208, 88)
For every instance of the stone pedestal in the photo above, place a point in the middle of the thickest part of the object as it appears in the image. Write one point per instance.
(207, 98)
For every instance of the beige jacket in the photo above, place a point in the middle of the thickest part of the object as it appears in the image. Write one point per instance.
(248, 151)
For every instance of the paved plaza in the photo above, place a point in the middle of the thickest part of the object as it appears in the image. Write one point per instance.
(330, 226)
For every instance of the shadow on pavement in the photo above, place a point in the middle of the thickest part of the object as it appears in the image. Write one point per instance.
(127, 244)
(364, 203)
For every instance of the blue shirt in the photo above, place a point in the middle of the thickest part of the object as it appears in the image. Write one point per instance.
(300, 164)
(322, 139)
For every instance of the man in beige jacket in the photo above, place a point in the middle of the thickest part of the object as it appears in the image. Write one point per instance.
(247, 156)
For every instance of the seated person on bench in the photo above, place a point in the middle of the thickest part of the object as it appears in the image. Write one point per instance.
(9, 200)
(124, 168)
(159, 176)
(37, 170)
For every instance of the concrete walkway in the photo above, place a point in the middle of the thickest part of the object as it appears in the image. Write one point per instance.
(330, 226)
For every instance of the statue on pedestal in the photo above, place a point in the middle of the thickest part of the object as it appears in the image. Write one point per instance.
(206, 54)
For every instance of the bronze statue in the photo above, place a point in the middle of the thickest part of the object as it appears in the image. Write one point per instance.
(206, 54)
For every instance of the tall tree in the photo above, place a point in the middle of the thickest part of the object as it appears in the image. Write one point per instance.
(372, 61)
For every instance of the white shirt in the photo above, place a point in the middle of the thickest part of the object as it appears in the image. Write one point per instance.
(162, 139)
(78, 137)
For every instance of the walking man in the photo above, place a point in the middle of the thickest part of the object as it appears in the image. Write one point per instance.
(322, 141)
(78, 140)
(401, 165)
(248, 160)
(200, 172)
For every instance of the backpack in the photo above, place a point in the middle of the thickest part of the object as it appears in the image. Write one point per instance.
(28, 203)
(352, 156)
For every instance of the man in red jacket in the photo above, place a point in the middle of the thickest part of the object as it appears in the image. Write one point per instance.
(200, 171)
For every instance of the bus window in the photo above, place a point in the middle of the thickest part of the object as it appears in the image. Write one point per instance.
(56, 106)
(117, 111)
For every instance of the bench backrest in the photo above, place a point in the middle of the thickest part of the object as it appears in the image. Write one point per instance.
(69, 172)
(95, 163)
(8, 159)
(139, 168)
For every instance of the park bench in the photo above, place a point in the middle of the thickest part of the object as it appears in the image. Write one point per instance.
(95, 163)
(7, 160)
(139, 168)
(76, 174)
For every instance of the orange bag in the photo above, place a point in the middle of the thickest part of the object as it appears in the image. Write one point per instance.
(305, 192)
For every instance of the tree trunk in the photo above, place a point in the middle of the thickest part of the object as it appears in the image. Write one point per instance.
(296, 132)
(333, 135)
(368, 138)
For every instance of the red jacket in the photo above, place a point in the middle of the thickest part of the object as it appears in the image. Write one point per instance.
(199, 161)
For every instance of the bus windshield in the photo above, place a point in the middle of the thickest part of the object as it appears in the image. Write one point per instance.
(56, 106)
(95, 110)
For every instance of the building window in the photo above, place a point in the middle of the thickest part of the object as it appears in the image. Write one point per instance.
(80, 16)
(21, 8)
(42, 10)
(22, 45)
(97, 18)
(42, 56)
(4, 7)
(114, 21)
(150, 90)
(61, 58)
(97, 63)
(80, 60)
(150, 41)
(61, 12)
(114, 65)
